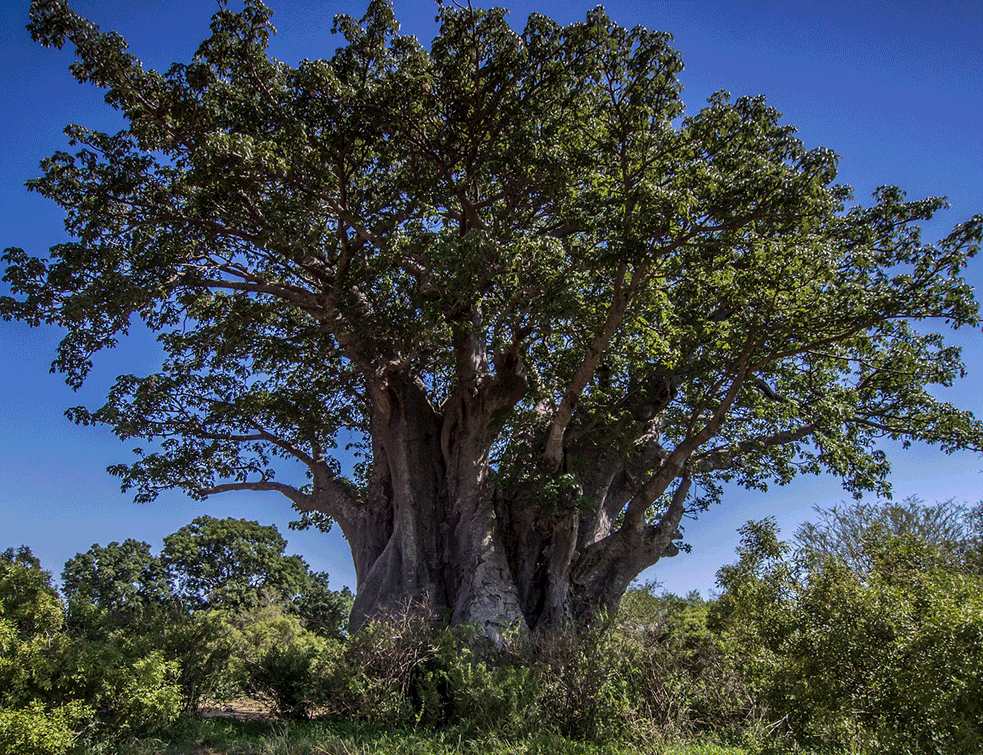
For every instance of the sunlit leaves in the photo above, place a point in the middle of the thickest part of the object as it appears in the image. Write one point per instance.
(294, 234)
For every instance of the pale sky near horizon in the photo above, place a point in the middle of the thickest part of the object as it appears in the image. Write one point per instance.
(895, 88)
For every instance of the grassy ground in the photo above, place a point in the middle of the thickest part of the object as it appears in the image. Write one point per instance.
(224, 736)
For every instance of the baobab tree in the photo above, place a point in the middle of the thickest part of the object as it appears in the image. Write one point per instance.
(548, 313)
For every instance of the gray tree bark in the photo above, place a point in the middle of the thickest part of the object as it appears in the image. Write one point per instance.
(437, 534)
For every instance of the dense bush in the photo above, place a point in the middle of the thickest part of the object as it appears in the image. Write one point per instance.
(39, 729)
(192, 604)
(623, 684)
(374, 676)
(804, 651)
(884, 661)
(467, 683)
(690, 675)
(202, 644)
(280, 661)
(59, 692)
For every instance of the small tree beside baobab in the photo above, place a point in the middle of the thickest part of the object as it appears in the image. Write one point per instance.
(549, 313)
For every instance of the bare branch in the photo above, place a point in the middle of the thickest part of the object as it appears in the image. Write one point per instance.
(289, 491)
(261, 435)
(553, 454)
(724, 457)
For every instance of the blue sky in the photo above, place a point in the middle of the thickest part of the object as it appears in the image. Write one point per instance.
(895, 88)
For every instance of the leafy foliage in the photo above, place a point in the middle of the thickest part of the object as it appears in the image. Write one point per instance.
(28, 602)
(211, 564)
(200, 602)
(852, 533)
(60, 692)
(803, 651)
(513, 241)
(202, 645)
(124, 579)
(229, 563)
(34, 730)
(323, 610)
(614, 687)
(882, 661)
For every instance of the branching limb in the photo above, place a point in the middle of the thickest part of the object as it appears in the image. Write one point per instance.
(330, 497)
(553, 455)
(296, 496)
(657, 541)
(724, 457)
(674, 464)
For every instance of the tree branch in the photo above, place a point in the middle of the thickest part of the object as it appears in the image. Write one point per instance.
(289, 491)
(329, 497)
(553, 454)
(724, 457)
(680, 455)
(304, 299)
(657, 540)
(332, 496)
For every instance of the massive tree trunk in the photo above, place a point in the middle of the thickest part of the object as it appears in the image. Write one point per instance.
(446, 551)
(438, 533)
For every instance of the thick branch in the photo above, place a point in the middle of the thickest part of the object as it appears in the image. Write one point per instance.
(724, 457)
(657, 541)
(333, 498)
(289, 293)
(553, 455)
(289, 491)
(330, 498)
(674, 464)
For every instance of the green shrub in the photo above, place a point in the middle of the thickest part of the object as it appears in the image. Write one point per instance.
(202, 646)
(887, 661)
(467, 682)
(584, 692)
(282, 661)
(288, 678)
(35, 730)
(27, 599)
(929, 694)
(670, 685)
(373, 676)
(126, 692)
(686, 680)
(58, 690)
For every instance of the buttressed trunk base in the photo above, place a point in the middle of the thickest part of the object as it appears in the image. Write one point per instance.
(463, 550)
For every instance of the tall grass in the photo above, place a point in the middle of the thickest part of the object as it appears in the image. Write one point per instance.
(210, 736)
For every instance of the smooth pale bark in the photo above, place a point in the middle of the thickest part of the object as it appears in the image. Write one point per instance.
(435, 534)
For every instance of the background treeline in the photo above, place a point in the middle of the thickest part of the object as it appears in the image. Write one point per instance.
(864, 634)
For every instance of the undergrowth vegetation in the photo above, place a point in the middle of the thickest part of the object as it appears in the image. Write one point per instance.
(233, 737)
(802, 652)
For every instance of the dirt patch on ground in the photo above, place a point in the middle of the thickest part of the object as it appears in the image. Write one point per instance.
(241, 710)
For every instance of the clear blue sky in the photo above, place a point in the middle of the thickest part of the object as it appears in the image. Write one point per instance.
(895, 88)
